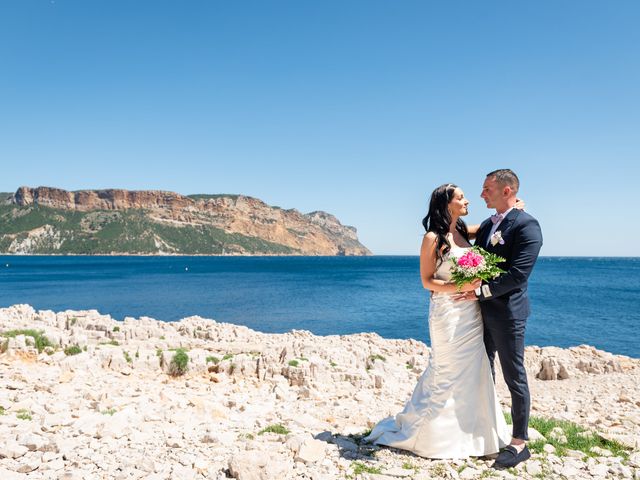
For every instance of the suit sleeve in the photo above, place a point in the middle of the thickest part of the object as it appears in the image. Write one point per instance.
(528, 242)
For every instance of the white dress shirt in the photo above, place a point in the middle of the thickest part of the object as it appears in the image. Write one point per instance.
(484, 289)
(495, 226)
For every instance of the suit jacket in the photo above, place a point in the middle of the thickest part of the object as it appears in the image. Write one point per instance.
(505, 297)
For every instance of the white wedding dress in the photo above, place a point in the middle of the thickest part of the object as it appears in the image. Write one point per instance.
(454, 411)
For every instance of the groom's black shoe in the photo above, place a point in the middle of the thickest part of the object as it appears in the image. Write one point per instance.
(509, 457)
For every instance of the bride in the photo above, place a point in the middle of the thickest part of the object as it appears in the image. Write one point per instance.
(454, 411)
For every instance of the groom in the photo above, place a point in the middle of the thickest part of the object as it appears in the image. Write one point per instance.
(516, 236)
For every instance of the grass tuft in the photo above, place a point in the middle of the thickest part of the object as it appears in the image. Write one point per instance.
(277, 428)
(576, 440)
(24, 414)
(359, 468)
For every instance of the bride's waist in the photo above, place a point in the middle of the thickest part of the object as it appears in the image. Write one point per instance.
(447, 297)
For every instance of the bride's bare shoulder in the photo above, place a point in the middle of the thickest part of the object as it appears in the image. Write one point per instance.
(429, 240)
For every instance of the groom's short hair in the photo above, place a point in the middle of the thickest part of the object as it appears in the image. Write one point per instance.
(506, 176)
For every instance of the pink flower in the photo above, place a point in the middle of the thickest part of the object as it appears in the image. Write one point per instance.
(470, 260)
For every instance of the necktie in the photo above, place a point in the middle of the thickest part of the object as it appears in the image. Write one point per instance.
(497, 218)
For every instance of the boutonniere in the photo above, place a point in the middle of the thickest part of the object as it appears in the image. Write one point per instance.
(496, 238)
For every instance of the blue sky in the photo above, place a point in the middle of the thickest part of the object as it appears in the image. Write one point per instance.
(358, 108)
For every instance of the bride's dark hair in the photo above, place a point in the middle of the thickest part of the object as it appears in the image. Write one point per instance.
(438, 219)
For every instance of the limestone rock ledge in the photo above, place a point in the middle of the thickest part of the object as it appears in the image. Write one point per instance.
(112, 410)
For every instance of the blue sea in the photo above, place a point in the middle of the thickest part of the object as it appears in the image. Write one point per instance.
(574, 300)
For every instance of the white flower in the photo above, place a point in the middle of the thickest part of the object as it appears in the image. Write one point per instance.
(496, 238)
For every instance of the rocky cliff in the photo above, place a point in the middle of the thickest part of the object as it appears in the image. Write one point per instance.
(52, 220)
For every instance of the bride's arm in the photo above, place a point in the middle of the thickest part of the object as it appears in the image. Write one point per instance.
(428, 269)
(473, 231)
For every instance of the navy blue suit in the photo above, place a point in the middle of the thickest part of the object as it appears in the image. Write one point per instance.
(505, 306)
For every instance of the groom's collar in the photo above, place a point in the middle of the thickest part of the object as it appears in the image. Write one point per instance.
(506, 212)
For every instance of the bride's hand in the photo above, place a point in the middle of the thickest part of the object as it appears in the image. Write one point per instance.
(520, 204)
(467, 291)
(470, 287)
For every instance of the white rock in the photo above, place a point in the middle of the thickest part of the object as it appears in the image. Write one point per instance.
(558, 435)
(32, 441)
(535, 435)
(533, 467)
(575, 454)
(54, 465)
(182, 472)
(13, 450)
(248, 466)
(28, 463)
(602, 452)
(201, 465)
(470, 473)
(599, 470)
(311, 451)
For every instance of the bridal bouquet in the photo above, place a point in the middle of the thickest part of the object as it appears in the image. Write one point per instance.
(475, 263)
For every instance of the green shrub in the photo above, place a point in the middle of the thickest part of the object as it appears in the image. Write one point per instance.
(72, 350)
(179, 363)
(127, 357)
(39, 340)
(116, 329)
(293, 363)
(214, 360)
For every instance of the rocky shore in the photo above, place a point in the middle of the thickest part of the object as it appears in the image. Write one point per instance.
(91, 397)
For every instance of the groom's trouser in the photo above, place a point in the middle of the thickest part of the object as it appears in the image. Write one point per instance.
(507, 338)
